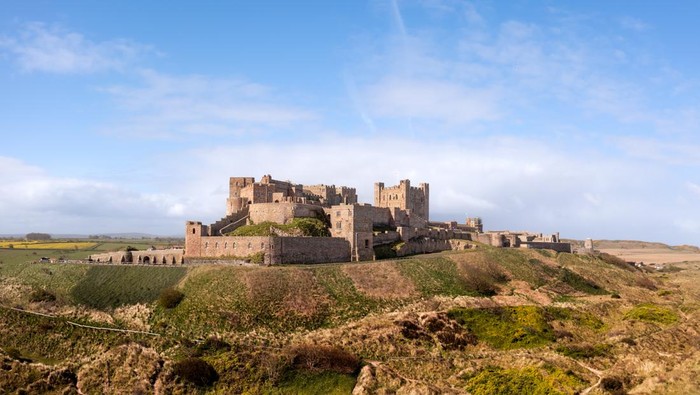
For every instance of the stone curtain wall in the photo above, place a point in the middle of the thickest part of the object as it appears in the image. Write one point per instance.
(234, 246)
(173, 256)
(310, 250)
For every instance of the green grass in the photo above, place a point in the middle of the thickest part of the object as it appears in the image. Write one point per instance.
(514, 327)
(112, 286)
(534, 271)
(582, 319)
(652, 313)
(325, 383)
(435, 276)
(530, 380)
(580, 283)
(507, 327)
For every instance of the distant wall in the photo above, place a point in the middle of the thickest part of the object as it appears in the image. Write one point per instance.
(174, 256)
(559, 247)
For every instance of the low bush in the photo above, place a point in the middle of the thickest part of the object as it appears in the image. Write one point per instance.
(212, 345)
(612, 385)
(169, 298)
(586, 351)
(313, 357)
(42, 295)
(195, 371)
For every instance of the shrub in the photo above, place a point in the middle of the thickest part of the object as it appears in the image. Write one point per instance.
(170, 298)
(13, 353)
(42, 295)
(612, 385)
(645, 282)
(585, 351)
(315, 357)
(483, 279)
(195, 371)
(212, 345)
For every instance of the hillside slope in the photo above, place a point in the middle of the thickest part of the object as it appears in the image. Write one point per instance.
(456, 322)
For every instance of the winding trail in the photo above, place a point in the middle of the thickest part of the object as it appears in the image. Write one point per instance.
(102, 328)
(594, 371)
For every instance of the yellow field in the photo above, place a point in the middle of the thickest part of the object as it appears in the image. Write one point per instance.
(43, 245)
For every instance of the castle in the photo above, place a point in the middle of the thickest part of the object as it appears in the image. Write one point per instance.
(397, 224)
(399, 220)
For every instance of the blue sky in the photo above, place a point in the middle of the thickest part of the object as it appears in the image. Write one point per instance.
(577, 117)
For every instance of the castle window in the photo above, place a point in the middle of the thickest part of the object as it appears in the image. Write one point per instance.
(226, 244)
(262, 245)
(339, 225)
(366, 243)
(206, 244)
(194, 231)
(250, 245)
(337, 213)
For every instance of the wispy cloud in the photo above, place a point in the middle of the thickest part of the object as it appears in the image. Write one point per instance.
(660, 150)
(632, 23)
(432, 100)
(52, 49)
(166, 106)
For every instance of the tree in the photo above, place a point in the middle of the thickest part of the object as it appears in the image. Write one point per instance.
(38, 236)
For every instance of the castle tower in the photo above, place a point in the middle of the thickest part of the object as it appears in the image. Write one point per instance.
(193, 238)
(235, 202)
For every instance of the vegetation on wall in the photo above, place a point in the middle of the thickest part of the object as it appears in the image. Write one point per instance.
(311, 227)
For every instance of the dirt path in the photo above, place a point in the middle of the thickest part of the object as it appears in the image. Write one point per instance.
(102, 328)
(594, 371)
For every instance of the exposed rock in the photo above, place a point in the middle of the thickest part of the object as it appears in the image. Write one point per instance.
(129, 367)
(377, 379)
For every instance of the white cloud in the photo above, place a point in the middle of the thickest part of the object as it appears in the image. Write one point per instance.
(52, 49)
(693, 187)
(511, 183)
(660, 150)
(632, 23)
(33, 200)
(166, 106)
(432, 100)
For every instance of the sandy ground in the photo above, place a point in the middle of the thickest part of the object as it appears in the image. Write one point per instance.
(653, 255)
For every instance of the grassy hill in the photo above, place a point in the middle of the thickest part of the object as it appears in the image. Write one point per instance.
(482, 320)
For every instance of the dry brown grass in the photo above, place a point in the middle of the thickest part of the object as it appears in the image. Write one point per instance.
(380, 280)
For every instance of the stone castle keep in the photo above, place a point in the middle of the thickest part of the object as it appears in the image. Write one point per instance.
(399, 219)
